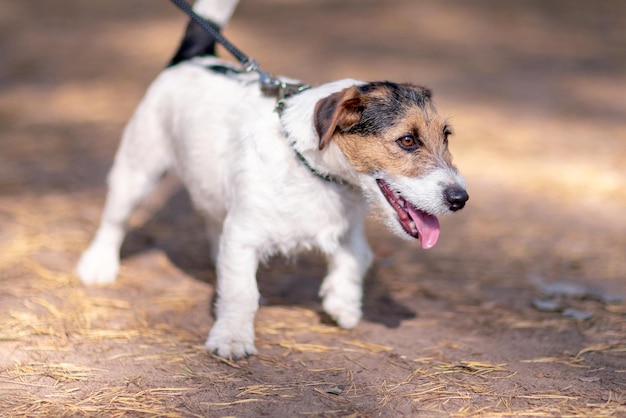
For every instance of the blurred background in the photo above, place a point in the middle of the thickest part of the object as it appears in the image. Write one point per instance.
(535, 91)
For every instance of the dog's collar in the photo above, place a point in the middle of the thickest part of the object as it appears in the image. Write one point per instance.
(322, 176)
(326, 177)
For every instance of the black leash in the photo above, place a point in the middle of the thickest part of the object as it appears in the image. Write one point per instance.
(270, 85)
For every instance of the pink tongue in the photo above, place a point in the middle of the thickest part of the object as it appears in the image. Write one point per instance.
(427, 227)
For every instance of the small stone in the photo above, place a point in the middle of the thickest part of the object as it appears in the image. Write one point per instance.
(563, 289)
(548, 305)
(577, 315)
(336, 390)
(607, 298)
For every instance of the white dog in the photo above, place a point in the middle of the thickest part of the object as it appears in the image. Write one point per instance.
(274, 181)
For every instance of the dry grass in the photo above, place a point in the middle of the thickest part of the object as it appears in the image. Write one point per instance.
(108, 401)
(51, 324)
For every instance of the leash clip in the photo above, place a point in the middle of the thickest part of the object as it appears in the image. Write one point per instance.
(270, 85)
(273, 86)
(250, 65)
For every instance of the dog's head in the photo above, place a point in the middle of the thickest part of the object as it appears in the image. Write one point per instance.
(395, 141)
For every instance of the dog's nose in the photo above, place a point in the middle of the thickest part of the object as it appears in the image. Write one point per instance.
(456, 197)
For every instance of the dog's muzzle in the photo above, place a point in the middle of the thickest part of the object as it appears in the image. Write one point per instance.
(455, 197)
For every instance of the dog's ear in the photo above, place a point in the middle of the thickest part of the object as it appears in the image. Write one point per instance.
(337, 112)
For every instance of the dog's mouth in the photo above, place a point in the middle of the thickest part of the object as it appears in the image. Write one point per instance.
(415, 222)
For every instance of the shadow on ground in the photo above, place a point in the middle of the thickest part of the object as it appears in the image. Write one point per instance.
(176, 230)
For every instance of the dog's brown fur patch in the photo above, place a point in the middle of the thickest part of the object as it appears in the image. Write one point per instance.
(367, 121)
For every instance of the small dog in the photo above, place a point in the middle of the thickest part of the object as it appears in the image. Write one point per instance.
(276, 182)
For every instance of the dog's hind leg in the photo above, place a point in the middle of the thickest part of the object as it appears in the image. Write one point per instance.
(342, 288)
(142, 159)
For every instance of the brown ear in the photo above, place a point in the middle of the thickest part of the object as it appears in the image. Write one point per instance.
(339, 111)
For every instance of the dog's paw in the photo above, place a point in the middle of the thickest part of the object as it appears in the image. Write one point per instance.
(98, 266)
(342, 301)
(347, 315)
(230, 342)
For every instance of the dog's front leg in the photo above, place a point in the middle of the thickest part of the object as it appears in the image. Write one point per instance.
(232, 335)
(342, 289)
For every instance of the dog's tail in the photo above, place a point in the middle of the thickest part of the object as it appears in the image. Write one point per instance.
(196, 41)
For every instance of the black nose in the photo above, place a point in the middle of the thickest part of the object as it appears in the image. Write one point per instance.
(456, 197)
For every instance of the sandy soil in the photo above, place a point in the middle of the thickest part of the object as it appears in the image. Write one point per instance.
(518, 311)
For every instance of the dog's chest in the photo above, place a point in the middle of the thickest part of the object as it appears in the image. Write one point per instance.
(296, 216)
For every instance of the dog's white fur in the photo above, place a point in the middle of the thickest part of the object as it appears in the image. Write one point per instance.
(232, 151)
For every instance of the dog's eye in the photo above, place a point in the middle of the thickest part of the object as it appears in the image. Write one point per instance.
(446, 133)
(409, 143)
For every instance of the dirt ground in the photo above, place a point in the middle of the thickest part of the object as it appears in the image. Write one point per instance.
(518, 311)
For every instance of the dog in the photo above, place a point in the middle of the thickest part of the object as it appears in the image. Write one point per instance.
(277, 181)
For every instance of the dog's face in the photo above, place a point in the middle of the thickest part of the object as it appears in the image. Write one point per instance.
(394, 139)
